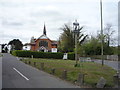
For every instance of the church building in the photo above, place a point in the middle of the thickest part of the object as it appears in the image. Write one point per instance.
(43, 43)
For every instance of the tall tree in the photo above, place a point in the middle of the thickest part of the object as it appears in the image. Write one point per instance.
(16, 44)
(93, 47)
(108, 31)
(4, 49)
(67, 39)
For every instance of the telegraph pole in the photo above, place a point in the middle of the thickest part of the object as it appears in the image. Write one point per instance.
(101, 32)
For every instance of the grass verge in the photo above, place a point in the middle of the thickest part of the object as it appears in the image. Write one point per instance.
(93, 71)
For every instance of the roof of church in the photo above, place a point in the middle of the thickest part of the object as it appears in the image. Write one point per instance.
(43, 37)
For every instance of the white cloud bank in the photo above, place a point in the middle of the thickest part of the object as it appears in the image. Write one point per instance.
(23, 19)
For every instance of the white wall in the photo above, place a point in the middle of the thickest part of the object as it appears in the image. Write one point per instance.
(26, 47)
(54, 50)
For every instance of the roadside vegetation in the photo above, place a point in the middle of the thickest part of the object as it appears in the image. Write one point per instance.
(0, 55)
(92, 71)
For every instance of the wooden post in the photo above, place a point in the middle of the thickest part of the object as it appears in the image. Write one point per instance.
(64, 74)
(34, 63)
(29, 62)
(42, 66)
(25, 62)
(80, 80)
(53, 71)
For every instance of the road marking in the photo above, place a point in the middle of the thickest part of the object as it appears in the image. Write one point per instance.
(21, 74)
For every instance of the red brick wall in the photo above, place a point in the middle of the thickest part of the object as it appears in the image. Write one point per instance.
(36, 47)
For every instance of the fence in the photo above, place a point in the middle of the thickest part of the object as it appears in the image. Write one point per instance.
(105, 57)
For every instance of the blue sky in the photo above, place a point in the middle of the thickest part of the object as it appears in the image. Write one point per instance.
(22, 19)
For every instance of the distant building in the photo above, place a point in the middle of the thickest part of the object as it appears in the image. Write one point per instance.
(9, 48)
(27, 46)
(43, 43)
(0, 48)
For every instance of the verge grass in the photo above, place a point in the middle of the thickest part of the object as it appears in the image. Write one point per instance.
(93, 71)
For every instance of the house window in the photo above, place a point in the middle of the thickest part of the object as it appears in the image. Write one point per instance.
(43, 43)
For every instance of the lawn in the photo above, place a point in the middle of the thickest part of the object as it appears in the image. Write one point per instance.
(92, 71)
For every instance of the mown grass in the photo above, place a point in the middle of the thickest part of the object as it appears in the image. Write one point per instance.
(92, 71)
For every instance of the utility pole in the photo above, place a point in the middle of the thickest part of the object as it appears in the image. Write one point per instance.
(101, 32)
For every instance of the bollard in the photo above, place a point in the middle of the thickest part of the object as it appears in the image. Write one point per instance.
(53, 71)
(80, 80)
(64, 74)
(29, 62)
(42, 66)
(34, 63)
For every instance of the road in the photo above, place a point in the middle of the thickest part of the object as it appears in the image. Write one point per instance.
(113, 64)
(0, 73)
(16, 74)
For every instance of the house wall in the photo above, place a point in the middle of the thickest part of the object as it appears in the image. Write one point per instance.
(32, 48)
(28, 47)
(36, 47)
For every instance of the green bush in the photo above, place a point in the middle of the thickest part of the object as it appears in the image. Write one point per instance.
(36, 54)
(71, 55)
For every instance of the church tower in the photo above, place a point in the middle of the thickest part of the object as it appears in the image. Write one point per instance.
(44, 30)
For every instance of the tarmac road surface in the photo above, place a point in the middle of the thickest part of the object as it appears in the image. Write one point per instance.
(16, 74)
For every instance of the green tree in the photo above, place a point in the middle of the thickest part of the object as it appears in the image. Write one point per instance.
(93, 47)
(16, 44)
(67, 39)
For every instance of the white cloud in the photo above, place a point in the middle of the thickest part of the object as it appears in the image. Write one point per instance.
(25, 18)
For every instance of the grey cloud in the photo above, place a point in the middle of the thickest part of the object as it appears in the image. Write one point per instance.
(8, 38)
(11, 23)
(44, 13)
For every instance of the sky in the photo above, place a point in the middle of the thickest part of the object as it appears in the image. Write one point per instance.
(22, 19)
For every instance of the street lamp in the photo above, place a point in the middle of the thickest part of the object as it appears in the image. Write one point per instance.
(76, 31)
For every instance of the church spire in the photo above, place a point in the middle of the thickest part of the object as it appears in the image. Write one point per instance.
(44, 30)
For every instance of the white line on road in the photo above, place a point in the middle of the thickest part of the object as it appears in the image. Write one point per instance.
(21, 74)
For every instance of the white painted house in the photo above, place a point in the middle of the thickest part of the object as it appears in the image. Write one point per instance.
(26, 47)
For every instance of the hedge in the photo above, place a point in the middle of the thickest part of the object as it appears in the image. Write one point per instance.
(36, 54)
(71, 55)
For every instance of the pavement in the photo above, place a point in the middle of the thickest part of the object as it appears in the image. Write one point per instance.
(16, 74)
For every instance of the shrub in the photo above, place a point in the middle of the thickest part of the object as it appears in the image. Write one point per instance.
(36, 54)
(71, 55)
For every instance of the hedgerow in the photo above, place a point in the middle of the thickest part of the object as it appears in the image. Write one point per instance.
(37, 54)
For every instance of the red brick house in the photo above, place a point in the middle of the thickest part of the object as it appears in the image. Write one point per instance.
(43, 43)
